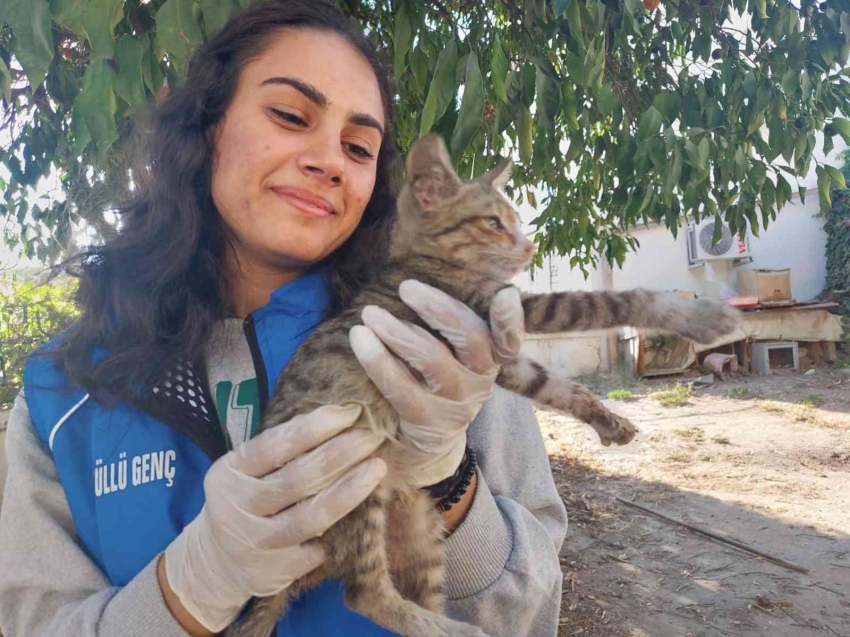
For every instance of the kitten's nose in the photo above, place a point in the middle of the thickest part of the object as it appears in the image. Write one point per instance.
(527, 246)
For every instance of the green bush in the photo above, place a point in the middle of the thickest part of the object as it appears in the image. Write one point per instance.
(621, 394)
(677, 396)
(30, 315)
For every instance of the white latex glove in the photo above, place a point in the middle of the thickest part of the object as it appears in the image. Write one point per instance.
(435, 416)
(265, 501)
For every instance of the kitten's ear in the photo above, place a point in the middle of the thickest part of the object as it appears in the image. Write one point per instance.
(429, 168)
(499, 176)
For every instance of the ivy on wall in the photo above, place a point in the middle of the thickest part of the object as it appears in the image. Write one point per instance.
(837, 229)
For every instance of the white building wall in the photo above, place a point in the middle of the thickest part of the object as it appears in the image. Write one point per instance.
(660, 263)
(795, 240)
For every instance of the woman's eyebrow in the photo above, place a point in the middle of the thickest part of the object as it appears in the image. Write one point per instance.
(321, 100)
(308, 90)
(363, 119)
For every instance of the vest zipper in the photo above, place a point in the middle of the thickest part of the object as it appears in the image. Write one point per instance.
(259, 366)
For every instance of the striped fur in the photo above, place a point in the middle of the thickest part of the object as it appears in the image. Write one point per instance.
(466, 239)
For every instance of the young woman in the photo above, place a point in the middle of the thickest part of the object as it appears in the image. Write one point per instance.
(138, 501)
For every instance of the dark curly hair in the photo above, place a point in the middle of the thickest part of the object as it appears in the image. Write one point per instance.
(150, 296)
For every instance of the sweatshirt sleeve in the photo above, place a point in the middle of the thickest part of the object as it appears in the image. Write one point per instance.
(502, 568)
(48, 585)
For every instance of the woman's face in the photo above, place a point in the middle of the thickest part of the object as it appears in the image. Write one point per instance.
(297, 149)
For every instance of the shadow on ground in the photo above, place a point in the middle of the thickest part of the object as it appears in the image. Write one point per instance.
(629, 574)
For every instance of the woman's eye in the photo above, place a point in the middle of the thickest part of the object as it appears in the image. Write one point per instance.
(359, 151)
(495, 223)
(290, 118)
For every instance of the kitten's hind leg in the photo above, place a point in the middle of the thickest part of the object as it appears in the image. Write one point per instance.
(265, 612)
(358, 548)
(262, 616)
(415, 549)
(529, 378)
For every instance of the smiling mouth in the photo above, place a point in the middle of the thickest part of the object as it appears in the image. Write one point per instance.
(306, 202)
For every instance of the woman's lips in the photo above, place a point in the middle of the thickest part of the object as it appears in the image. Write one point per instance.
(306, 201)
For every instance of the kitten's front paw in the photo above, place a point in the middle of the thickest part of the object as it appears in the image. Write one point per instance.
(617, 430)
(709, 320)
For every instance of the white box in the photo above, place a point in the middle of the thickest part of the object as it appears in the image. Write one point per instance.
(760, 355)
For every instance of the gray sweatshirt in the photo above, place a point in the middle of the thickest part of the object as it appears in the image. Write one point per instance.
(502, 569)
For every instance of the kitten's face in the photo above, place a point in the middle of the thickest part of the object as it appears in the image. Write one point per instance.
(466, 223)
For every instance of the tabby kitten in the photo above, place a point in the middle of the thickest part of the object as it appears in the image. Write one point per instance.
(466, 239)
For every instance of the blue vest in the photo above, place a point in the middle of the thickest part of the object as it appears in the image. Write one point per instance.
(133, 482)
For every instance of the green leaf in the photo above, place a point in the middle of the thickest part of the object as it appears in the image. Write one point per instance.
(216, 14)
(402, 35)
(442, 87)
(843, 127)
(29, 21)
(151, 71)
(755, 123)
(805, 85)
(668, 104)
(69, 14)
(6, 84)
(178, 32)
(650, 124)
(471, 107)
(740, 163)
(97, 104)
(560, 7)
(574, 20)
(703, 150)
(761, 9)
(802, 190)
(845, 25)
(783, 188)
(823, 188)
(548, 100)
(528, 80)
(674, 174)
(499, 70)
(504, 116)
(828, 145)
(429, 112)
(691, 154)
(99, 20)
(524, 133)
(836, 176)
(768, 198)
(130, 85)
(608, 100)
(419, 66)
(634, 7)
(758, 174)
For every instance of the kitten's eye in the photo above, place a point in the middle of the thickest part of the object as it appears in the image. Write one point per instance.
(289, 118)
(496, 224)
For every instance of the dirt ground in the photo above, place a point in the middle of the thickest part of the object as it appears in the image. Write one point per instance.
(764, 460)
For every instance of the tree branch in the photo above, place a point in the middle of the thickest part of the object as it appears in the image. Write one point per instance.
(446, 14)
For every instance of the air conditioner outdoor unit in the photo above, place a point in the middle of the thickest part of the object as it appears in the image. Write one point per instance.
(702, 248)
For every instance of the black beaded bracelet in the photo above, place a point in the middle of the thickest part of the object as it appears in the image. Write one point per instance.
(450, 491)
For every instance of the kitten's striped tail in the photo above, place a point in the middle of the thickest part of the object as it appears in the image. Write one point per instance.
(530, 379)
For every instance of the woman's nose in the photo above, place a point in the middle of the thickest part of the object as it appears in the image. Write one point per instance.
(324, 159)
